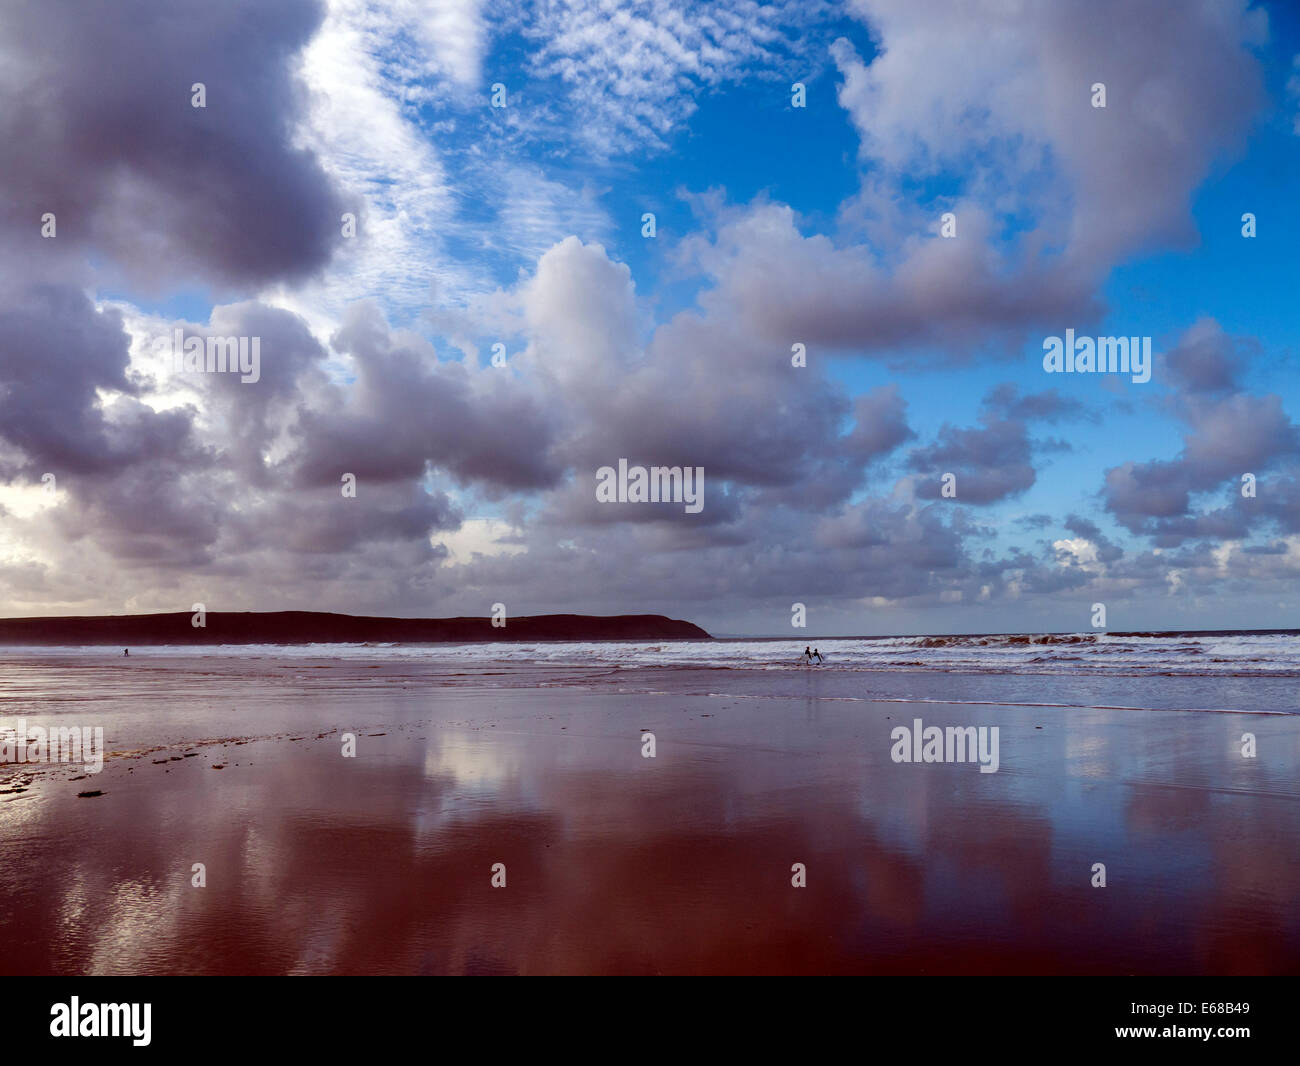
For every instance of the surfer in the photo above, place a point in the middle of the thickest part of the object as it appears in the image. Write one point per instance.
(818, 655)
(807, 656)
(126, 651)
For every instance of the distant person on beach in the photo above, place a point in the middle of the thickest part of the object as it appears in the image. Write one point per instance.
(126, 651)
(807, 655)
(818, 655)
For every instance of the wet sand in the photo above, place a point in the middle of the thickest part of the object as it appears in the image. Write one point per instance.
(619, 864)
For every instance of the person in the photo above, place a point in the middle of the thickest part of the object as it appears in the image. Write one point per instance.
(807, 655)
(818, 655)
(126, 651)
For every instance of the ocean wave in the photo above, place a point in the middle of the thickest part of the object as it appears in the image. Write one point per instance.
(1217, 654)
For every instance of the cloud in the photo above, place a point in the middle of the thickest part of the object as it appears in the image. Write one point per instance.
(60, 354)
(98, 128)
(1230, 433)
(371, 73)
(455, 33)
(703, 391)
(995, 460)
(1206, 360)
(1107, 181)
(406, 411)
(633, 71)
(1101, 548)
(954, 294)
(1048, 405)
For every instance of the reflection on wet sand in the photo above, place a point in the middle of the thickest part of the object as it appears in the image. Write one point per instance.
(678, 864)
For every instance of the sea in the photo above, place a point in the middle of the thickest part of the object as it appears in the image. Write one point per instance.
(1238, 671)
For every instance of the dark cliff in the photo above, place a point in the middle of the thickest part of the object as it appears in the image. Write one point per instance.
(313, 627)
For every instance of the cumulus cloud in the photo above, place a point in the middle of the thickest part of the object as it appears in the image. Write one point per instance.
(1206, 360)
(1230, 433)
(1047, 192)
(60, 353)
(955, 294)
(703, 391)
(1096, 183)
(99, 130)
(995, 460)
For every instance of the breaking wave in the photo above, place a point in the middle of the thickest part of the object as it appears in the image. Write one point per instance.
(1252, 653)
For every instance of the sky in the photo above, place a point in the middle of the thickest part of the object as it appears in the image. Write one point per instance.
(813, 250)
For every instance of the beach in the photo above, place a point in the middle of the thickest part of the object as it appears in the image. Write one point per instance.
(467, 761)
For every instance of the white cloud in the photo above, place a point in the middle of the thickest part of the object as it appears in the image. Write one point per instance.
(1076, 550)
(633, 69)
(1013, 115)
(364, 126)
(478, 536)
(455, 34)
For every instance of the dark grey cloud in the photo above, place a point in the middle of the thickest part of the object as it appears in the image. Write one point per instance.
(162, 517)
(1230, 433)
(325, 522)
(1047, 406)
(1206, 360)
(97, 127)
(879, 423)
(995, 460)
(406, 412)
(56, 353)
(704, 391)
(952, 298)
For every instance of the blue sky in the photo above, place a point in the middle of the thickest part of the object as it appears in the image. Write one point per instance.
(775, 225)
